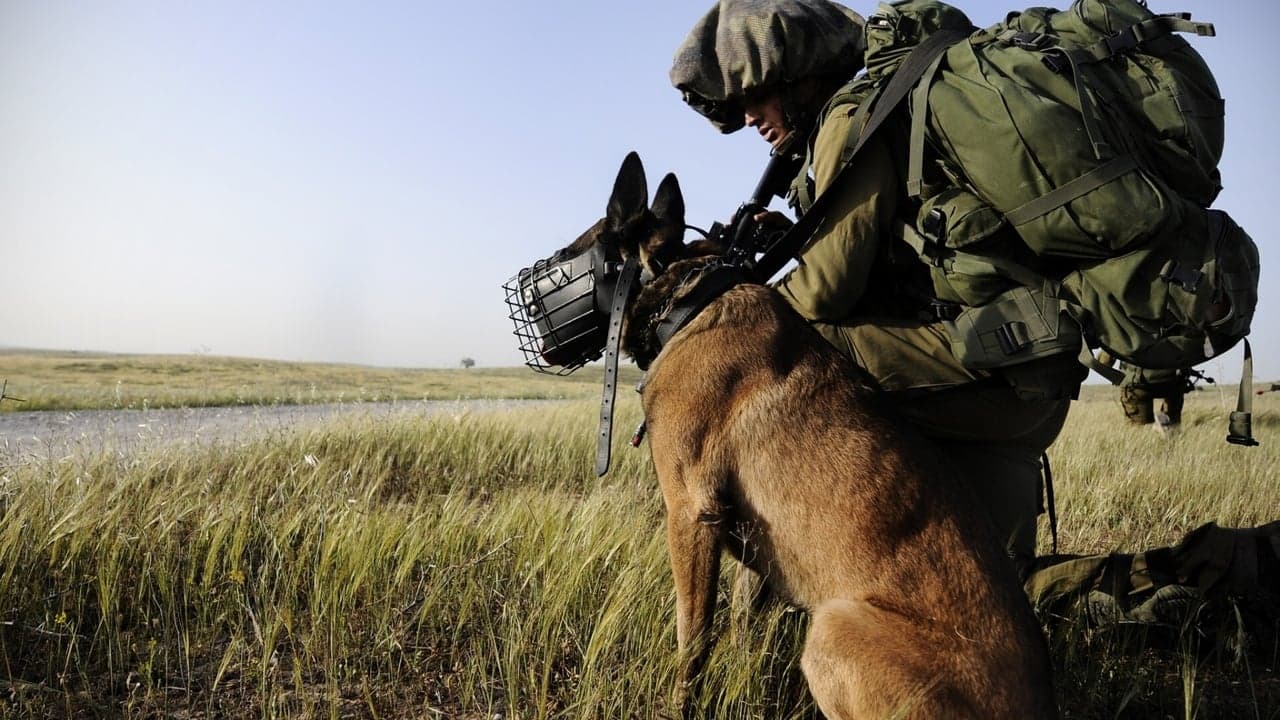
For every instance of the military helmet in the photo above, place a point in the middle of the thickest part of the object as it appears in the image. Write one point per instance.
(741, 45)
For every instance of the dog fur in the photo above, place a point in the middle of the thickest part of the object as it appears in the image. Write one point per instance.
(770, 444)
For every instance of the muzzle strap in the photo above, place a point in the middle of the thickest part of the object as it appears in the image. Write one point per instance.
(630, 270)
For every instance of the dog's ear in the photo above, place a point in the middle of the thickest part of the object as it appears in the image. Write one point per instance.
(630, 197)
(665, 244)
(668, 202)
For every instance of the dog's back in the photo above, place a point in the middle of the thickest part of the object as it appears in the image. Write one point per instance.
(780, 446)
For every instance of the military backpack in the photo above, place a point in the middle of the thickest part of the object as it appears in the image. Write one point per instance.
(1091, 137)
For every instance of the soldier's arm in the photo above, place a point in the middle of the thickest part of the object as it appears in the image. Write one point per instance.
(832, 272)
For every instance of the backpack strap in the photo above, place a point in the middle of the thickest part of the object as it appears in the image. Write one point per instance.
(904, 78)
(1072, 190)
(919, 115)
(1240, 428)
(1141, 33)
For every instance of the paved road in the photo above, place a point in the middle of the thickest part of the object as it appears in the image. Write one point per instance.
(57, 433)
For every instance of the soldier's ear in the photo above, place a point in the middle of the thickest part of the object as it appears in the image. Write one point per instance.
(630, 197)
(668, 202)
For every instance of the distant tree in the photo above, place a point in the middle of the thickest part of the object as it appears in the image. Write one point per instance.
(468, 362)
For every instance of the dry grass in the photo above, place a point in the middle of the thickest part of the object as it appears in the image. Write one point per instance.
(472, 567)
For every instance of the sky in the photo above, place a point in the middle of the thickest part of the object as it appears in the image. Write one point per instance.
(352, 182)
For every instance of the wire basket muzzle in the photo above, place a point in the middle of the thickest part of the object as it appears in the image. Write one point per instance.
(559, 323)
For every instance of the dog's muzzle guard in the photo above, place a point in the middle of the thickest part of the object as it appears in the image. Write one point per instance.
(561, 307)
(567, 312)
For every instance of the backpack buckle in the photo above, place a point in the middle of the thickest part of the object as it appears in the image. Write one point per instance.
(1188, 278)
(934, 226)
(1031, 41)
(1013, 337)
(1240, 429)
(944, 311)
(1122, 41)
(1056, 62)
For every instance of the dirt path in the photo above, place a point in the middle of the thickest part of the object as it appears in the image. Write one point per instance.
(43, 434)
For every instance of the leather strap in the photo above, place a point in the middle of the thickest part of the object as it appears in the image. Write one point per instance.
(713, 282)
(629, 272)
(1050, 505)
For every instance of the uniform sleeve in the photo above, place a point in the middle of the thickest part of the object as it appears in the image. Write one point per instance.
(832, 272)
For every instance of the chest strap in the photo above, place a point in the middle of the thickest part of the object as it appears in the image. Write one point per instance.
(712, 282)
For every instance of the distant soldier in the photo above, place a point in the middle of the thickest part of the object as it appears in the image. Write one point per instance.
(1141, 388)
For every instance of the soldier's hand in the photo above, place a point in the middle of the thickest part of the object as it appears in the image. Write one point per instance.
(772, 221)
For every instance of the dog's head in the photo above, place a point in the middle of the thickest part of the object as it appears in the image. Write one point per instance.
(561, 305)
(631, 227)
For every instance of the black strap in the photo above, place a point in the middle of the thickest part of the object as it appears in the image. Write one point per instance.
(630, 270)
(714, 282)
(911, 70)
(1049, 505)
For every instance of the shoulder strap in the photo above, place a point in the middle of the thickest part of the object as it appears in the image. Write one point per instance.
(911, 70)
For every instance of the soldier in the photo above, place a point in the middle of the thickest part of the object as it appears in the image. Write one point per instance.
(1141, 388)
(781, 67)
(778, 66)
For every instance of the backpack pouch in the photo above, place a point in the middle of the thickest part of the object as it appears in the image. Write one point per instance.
(1157, 306)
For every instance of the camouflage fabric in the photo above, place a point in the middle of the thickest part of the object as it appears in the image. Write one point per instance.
(744, 44)
(849, 285)
(1142, 387)
(1163, 584)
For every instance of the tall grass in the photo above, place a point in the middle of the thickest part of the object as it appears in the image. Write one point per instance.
(472, 567)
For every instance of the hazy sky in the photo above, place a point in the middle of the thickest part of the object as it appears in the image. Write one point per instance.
(353, 181)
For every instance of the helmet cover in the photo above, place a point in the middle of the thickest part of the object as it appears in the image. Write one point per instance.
(741, 45)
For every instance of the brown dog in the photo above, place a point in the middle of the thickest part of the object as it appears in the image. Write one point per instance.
(770, 444)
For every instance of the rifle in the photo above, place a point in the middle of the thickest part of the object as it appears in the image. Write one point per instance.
(1275, 387)
(1191, 377)
(744, 238)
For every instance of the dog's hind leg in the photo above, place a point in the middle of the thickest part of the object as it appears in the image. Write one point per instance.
(861, 661)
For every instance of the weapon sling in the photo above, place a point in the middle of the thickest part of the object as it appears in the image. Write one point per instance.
(904, 78)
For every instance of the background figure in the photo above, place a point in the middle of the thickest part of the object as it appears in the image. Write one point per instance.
(1142, 388)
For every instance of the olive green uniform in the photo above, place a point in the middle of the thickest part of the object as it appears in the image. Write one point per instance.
(850, 284)
(1142, 387)
(861, 288)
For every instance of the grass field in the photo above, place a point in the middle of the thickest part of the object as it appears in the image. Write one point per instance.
(47, 380)
(472, 567)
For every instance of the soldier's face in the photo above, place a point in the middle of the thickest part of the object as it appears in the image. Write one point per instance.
(764, 113)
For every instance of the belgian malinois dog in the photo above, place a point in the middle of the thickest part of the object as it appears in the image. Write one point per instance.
(770, 444)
